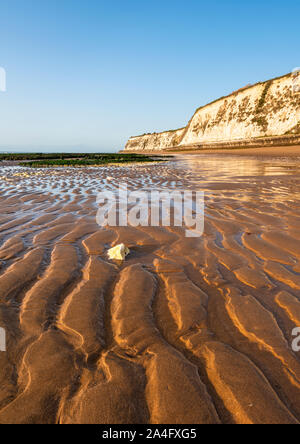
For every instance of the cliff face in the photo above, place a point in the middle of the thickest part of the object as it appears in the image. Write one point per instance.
(266, 109)
(156, 141)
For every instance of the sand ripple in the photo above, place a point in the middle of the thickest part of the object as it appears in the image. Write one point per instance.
(185, 331)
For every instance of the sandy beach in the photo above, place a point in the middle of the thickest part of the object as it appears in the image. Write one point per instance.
(280, 151)
(185, 331)
(271, 151)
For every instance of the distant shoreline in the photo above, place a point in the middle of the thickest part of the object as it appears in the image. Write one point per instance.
(280, 151)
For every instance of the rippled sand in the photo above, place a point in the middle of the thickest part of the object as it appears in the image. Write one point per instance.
(185, 331)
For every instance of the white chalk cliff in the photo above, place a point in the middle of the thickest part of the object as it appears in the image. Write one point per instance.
(266, 110)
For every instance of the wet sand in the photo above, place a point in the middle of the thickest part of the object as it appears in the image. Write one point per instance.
(186, 331)
(270, 151)
(281, 151)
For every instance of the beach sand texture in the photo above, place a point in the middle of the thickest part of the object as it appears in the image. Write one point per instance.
(185, 331)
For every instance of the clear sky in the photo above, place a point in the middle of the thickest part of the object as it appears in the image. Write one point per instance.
(87, 74)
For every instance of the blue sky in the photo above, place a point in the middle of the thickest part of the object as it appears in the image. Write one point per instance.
(87, 74)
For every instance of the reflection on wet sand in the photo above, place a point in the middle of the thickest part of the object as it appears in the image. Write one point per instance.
(185, 331)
